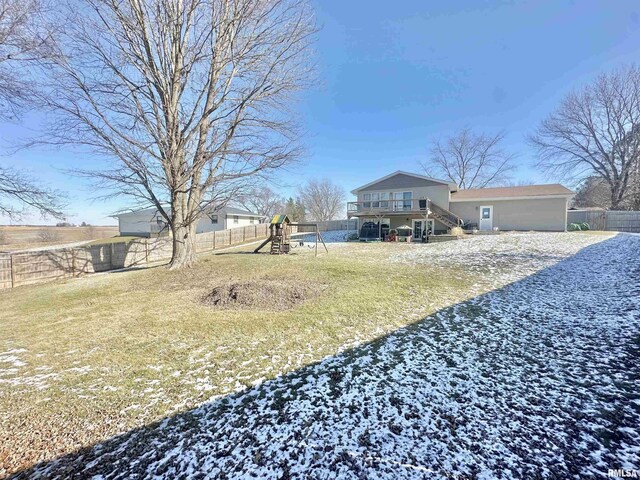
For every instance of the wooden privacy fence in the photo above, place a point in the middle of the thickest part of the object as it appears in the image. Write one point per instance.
(611, 220)
(25, 268)
(338, 225)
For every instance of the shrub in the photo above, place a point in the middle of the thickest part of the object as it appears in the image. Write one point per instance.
(48, 236)
(352, 237)
(585, 226)
(574, 227)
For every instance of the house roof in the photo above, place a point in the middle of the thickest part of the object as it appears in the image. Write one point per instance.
(225, 210)
(239, 211)
(453, 186)
(506, 193)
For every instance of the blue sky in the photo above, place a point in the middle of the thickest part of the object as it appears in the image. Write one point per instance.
(395, 75)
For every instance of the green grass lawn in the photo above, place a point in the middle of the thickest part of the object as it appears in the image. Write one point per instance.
(85, 359)
(101, 354)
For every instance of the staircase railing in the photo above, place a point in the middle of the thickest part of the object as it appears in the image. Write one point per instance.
(451, 218)
(412, 206)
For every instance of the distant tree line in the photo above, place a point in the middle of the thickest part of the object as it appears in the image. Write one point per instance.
(314, 201)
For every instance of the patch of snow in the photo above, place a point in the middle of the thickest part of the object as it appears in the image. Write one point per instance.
(535, 379)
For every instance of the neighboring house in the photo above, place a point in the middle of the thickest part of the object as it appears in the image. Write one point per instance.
(149, 222)
(420, 202)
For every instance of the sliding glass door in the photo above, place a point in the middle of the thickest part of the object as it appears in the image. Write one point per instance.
(402, 200)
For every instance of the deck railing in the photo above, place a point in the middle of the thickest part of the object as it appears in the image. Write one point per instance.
(422, 206)
(383, 206)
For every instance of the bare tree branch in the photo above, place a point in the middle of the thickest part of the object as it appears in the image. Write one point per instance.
(594, 133)
(470, 160)
(323, 200)
(593, 192)
(186, 98)
(19, 192)
(25, 39)
(262, 200)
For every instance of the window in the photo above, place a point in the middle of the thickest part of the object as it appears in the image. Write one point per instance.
(374, 200)
(384, 200)
(250, 219)
(235, 219)
(214, 219)
(402, 200)
(406, 200)
(486, 213)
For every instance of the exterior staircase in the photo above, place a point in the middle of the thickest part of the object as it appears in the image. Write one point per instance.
(444, 216)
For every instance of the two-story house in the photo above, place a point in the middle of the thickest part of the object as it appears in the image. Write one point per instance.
(421, 202)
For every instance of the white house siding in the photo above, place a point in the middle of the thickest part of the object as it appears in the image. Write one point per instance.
(243, 221)
(544, 214)
(139, 223)
(205, 224)
(136, 223)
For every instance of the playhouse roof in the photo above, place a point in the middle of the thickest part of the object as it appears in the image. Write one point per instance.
(280, 219)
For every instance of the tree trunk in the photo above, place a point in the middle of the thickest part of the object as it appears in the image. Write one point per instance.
(184, 246)
(615, 198)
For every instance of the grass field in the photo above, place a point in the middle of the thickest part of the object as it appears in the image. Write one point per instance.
(86, 359)
(115, 239)
(21, 237)
(105, 353)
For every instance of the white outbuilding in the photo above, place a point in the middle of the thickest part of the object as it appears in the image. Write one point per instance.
(150, 222)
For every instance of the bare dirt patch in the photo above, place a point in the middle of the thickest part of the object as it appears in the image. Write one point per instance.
(263, 294)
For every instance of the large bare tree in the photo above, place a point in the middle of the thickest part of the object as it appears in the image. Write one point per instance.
(592, 133)
(262, 200)
(183, 98)
(471, 160)
(323, 200)
(592, 192)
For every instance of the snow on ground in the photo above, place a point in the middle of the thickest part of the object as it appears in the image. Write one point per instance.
(494, 257)
(331, 236)
(538, 379)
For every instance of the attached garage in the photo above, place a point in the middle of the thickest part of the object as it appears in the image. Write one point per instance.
(532, 207)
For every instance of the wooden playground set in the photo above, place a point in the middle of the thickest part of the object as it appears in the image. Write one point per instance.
(283, 232)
